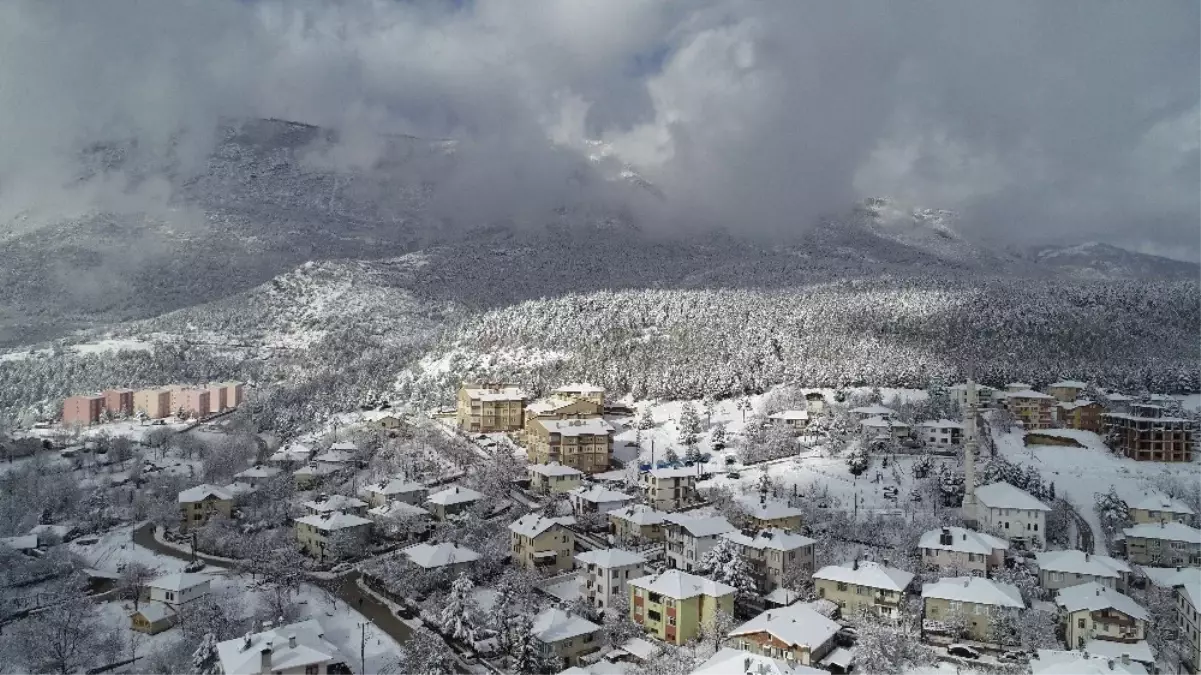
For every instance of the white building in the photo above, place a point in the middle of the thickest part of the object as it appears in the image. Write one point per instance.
(775, 556)
(1186, 582)
(395, 490)
(1061, 569)
(796, 420)
(878, 426)
(796, 633)
(941, 433)
(956, 549)
(179, 589)
(334, 460)
(958, 395)
(1057, 662)
(604, 574)
(597, 499)
(875, 410)
(729, 661)
(451, 501)
(331, 503)
(441, 556)
(564, 637)
(974, 599)
(553, 478)
(863, 586)
(1093, 611)
(1168, 543)
(295, 649)
(766, 512)
(689, 538)
(1014, 513)
(1153, 506)
(296, 453)
(669, 489)
(256, 475)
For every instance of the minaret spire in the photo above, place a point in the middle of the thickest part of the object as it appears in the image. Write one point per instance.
(970, 445)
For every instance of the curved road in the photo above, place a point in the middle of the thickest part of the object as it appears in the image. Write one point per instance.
(347, 591)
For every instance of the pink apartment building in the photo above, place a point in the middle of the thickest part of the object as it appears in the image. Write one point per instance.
(82, 410)
(118, 401)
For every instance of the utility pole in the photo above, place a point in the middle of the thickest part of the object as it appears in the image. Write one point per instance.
(363, 647)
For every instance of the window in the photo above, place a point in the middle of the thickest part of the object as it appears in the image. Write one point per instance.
(654, 615)
(170, 595)
(671, 620)
(668, 602)
(842, 586)
(312, 670)
(1080, 623)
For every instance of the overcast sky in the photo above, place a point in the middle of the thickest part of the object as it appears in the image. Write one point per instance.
(1041, 121)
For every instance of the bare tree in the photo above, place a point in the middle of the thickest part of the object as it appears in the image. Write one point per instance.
(65, 638)
(133, 579)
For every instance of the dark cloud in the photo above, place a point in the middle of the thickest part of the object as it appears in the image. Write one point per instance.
(1039, 121)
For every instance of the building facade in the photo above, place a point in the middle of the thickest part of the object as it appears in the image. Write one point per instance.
(82, 410)
(1095, 612)
(333, 535)
(941, 433)
(1012, 512)
(688, 538)
(1147, 434)
(863, 587)
(1062, 569)
(1167, 544)
(119, 401)
(669, 489)
(197, 505)
(971, 602)
(959, 550)
(797, 634)
(542, 544)
(605, 575)
(1066, 390)
(490, 408)
(1156, 507)
(155, 404)
(1083, 415)
(582, 444)
(675, 605)
(636, 524)
(1035, 409)
(554, 478)
(777, 558)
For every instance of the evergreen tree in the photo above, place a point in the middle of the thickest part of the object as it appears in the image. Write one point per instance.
(204, 659)
(525, 655)
(724, 563)
(459, 616)
(858, 461)
(717, 438)
(690, 425)
(647, 420)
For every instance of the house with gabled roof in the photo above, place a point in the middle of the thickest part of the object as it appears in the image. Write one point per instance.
(451, 502)
(1185, 583)
(636, 523)
(774, 555)
(153, 617)
(330, 503)
(1061, 569)
(583, 390)
(597, 499)
(1153, 506)
(1066, 390)
(332, 534)
(795, 420)
(1063, 662)
(729, 661)
(1012, 512)
(676, 605)
(1164, 543)
(604, 574)
(335, 459)
(669, 488)
(765, 512)
(394, 490)
(565, 637)
(542, 543)
(257, 475)
(553, 478)
(311, 475)
(198, 504)
(1035, 409)
(873, 410)
(887, 427)
(1095, 611)
(941, 432)
(958, 549)
(289, 650)
(179, 588)
(975, 600)
(443, 556)
(688, 538)
(795, 633)
(863, 586)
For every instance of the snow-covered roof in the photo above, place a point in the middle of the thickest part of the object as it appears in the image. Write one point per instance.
(883, 423)
(1138, 651)
(1028, 394)
(763, 508)
(581, 388)
(1006, 496)
(979, 387)
(1095, 596)
(534, 524)
(941, 424)
(242, 655)
(1018, 386)
(395, 486)
(180, 582)
(700, 526)
(295, 452)
(1078, 403)
(1057, 662)
(334, 503)
(795, 625)
(1169, 577)
(59, 531)
(202, 492)
(873, 410)
(554, 469)
(680, 585)
(773, 538)
(313, 471)
(239, 489)
(782, 596)
(1171, 531)
(675, 472)
(496, 394)
(977, 590)
(866, 573)
(333, 456)
(154, 611)
(454, 495)
(555, 625)
(1080, 562)
(397, 508)
(344, 446)
(549, 404)
(640, 649)
(1118, 396)
(639, 514)
(432, 556)
(790, 415)
(589, 426)
(730, 661)
(610, 557)
(1068, 384)
(258, 471)
(599, 494)
(963, 540)
(26, 542)
(1152, 500)
(336, 520)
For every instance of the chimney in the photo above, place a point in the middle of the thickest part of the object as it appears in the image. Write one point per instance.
(1125, 658)
(292, 641)
(1087, 557)
(265, 659)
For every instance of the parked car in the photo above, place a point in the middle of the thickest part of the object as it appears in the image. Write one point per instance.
(963, 651)
(733, 474)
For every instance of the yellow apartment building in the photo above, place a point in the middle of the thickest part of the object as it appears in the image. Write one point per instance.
(675, 605)
(863, 586)
(490, 408)
(542, 544)
(582, 444)
(198, 504)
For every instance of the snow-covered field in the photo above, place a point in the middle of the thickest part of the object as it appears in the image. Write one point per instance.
(97, 347)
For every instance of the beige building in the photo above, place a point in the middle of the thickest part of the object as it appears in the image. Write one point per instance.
(959, 550)
(563, 637)
(605, 573)
(597, 499)
(863, 587)
(543, 544)
(490, 408)
(1167, 544)
(675, 605)
(1186, 584)
(796, 633)
(323, 504)
(669, 489)
(561, 408)
(155, 404)
(1096, 612)
(1156, 507)
(975, 600)
(1035, 409)
(767, 512)
(198, 504)
(553, 478)
(1066, 391)
(887, 427)
(1060, 569)
(636, 524)
(332, 535)
(153, 618)
(687, 538)
(588, 392)
(774, 556)
(584, 444)
(451, 502)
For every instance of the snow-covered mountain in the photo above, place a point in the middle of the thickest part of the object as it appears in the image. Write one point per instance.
(1095, 260)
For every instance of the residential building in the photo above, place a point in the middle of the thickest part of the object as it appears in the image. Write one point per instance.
(941, 433)
(1139, 652)
(958, 395)
(584, 444)
(119, 401)
(153, 618)
(796, 420)
(178, 589)
(335, 460)
(1117, 402)
(190, 401)
(445, 556)
(294, 649)
(451, 502)
(887, 427)
(636, 524)
(217, 403)
(959, 550)
(1012, 512)
(1058, 662)
(974, 599)
(560, 407)
(874, 410)
(198, 504)
(765, 512)
(292, 454)
(1094, 611)
(796, 633)
(669, 489)
(1186, 584)
(82, 410)
(563, 637)
(588, 392)
(27, 543)
(863, 586)
(323, 504)
(1060, 569)
(395, 490)
(542, 544)
(604, 574)
(155, 404)
(729, 661)
(489, 408)
(675, 605)
(597, 499)
(1066, 391)
(1017, 386)
(1081, 414)
(1155, 507)
(257, 475)
(400, 519)
(1164, 543)
(1035, 409)
(815, 403)
(1147, 434)
(553, 478)
(332, 535)
(309, 476)
(776, 557)
(688, 538)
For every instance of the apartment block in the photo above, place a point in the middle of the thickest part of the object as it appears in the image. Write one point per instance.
(774, 556)
(1096, 612)
(235, 393)
(675, 605)
(489, 408)
(637, 524)
(863, 587)
(582, 444)
(542, 544)
(332, 535)
(198, 504)
(1165, 543)
(1081, 414)
(1156, 507)
(119, 401)
(1062, 569)
(587, 392)
(1147, 434)
(605, 574)
(1066, 391)
(191, 401)
(82, 410)
(1035, 409)
(669, 489)
(688, 538)
(956, 549)
(154, 403)
(975, 600)
(217, 402)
